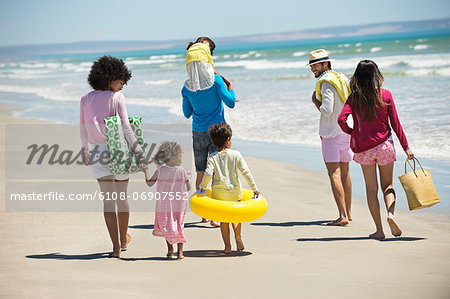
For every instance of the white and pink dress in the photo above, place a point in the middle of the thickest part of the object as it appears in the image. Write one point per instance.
(171, 206)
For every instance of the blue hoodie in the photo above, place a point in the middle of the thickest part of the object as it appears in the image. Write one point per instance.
(206, 106)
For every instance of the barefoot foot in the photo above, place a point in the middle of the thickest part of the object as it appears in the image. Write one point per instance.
(339, 222)
(395, 229)
(377, 236)
(227, 249)
(169, 250)
(239, 244)
(214, 223)
(115, 253)
(180, 256)
(124, 247)
(204, 220)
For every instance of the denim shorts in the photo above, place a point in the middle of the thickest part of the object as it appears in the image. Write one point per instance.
(202, 145)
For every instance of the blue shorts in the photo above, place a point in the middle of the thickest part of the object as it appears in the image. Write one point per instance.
(202, 145)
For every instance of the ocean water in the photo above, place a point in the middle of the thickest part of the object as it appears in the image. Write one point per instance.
(274, 87)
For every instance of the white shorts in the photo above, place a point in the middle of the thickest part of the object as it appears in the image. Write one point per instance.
(101, 170)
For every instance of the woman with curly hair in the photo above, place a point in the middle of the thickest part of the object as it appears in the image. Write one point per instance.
(172, 186)
(107, 77)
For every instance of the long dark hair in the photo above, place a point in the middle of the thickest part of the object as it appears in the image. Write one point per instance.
(366, 88)
(212, 45)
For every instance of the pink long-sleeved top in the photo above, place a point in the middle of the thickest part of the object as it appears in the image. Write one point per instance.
(94, 107)
(368, 134)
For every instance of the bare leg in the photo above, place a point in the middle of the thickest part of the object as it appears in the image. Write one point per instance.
(334, 174)
(347, 185)
(198, 181)
(225, 230)
(169, 250)
(370, 178)
(386, 176)
(123, 212)
(109, 212)
(237, 227)
(180, 251)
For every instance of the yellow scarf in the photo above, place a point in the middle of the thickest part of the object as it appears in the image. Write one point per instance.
(337, 81)
(199, 52)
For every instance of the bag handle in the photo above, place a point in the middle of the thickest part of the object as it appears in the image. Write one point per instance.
(116, 105)
(116, 102)
(414, 168)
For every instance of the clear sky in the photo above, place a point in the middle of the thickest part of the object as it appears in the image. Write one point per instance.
(52, 21)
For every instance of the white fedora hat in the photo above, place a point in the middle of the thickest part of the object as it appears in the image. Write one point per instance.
(318, 56)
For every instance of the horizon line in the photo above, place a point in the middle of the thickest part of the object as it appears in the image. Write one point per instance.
(176, 40)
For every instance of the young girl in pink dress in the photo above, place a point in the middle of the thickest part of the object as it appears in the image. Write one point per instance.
(172, 186)
(373, 111)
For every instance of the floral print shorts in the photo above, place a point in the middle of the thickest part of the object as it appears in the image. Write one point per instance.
(381, 154)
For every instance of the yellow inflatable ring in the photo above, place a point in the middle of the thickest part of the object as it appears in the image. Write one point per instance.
(247, 209)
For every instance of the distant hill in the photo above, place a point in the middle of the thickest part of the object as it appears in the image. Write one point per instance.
(443, 25)
(351, 31)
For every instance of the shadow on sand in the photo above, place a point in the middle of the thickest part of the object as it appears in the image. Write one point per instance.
(151, 258)
(214, 253)
(198, 224)
(142, 226)
(297, 223)
(93, 256)
(59, 256)
(400, 239)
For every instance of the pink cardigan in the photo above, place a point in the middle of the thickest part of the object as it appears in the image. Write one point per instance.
(366, 135)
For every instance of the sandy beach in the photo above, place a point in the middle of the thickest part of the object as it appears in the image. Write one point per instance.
(289, 252)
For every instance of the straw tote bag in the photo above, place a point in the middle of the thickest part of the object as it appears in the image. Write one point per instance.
(122, 159)
(419, 187)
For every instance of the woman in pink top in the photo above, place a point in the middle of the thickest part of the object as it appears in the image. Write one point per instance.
(372, 108)
(107, 76)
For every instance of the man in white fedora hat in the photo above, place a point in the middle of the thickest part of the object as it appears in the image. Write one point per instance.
(329, 97)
